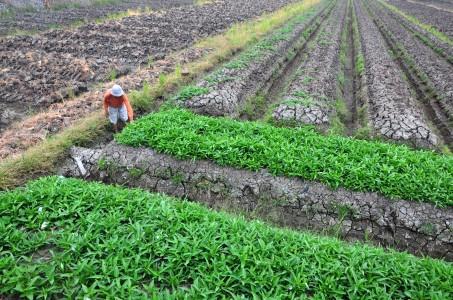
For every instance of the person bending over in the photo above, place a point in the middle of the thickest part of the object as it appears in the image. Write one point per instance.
(117, 106)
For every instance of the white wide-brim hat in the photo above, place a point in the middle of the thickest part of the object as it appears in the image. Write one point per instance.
(117, 91)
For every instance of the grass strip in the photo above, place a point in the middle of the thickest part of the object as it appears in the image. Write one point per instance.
(42, 158)
(395, 171)
(68, 238)
(431, 29)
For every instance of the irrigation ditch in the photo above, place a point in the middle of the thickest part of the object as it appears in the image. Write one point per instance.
(348, 88)
(419, 228)
(278, 83)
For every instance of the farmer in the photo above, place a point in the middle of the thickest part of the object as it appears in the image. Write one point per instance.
(117, 106)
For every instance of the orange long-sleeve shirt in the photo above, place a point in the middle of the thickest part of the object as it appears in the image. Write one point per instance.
(110, 100)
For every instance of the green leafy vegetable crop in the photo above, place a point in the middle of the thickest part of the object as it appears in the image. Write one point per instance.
(65, 238)
(191, 91)
(392, 170)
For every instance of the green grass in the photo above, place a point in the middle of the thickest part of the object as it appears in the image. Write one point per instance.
(65, 238)
(254, 107)
(75, 5)
(392, 170)
(142, 99)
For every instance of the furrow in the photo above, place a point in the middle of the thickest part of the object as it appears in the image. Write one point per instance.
(347, 77)
(275, 87)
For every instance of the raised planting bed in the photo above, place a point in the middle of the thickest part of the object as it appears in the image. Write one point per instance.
(392, 170)
(67, 238)
(428, 73)
(311, 96)
(394, 113)
(225, 91)
(442, 46)
(419, 228)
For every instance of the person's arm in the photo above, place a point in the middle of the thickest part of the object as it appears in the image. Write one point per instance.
(106, 103)
(130, 112)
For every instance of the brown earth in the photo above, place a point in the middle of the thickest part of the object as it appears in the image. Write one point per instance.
(36, 18)
(30, 131)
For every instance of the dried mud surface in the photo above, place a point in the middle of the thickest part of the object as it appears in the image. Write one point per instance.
(231, 87)
(419, 228)
(443, 48)
(394, 112)
(438, 71)
(44, 19)
(310, 97)
(441, 19)
(38, 71)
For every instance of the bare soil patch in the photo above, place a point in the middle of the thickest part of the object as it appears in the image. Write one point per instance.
(37, 71)
(41, 19)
